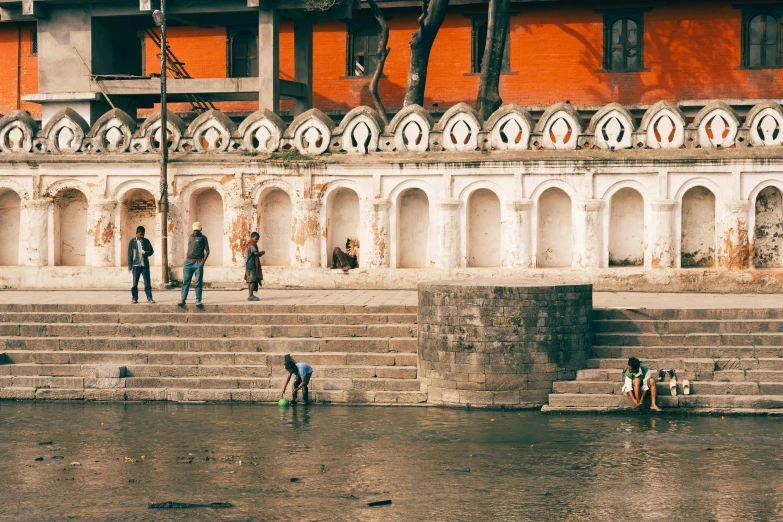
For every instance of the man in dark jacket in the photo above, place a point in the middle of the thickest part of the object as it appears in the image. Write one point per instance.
(139, 250)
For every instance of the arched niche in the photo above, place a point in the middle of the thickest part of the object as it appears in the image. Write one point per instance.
(413, 229)
(626, 228)
(70, 228)
(138, 207)
(768, 230)
(274, 215)
(10, 213)
(484, 241)
(697, 229)
(206, 207)
(342, 219)
(555, 229)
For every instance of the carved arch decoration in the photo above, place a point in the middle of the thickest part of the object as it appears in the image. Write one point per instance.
(65, 132)
(213, 131)
(509, 128)
(459, 129)
(310, 132)
(113, 133)
(560, 127)
(663, 126)
(717, 125)
(17, 132)
(612, 127)
(409, 130)
(262, 132)
(147, 137)
(359, 132)
(765, 124)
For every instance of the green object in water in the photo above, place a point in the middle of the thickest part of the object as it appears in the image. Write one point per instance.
(283, 403)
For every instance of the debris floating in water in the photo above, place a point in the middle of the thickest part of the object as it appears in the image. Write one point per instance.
(379, 503)
(187, 505)
(45, 442)
(294, 479)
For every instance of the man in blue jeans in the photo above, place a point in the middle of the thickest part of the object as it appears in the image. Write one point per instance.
(198, 252)
(139, 251)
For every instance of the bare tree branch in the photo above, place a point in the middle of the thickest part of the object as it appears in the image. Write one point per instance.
(383, 52)
(433, 13)
(488, 99)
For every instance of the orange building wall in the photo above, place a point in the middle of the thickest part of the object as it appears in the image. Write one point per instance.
(692, 51)
(16, 81)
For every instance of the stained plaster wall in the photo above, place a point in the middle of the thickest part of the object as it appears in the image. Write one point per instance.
(626, 228)
(484, 238)
(138, 208)
(275, 228)
(555, 233)
(10, 221)
(413, 225)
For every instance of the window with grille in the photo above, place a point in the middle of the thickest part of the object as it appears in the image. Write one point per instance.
(362, 50)
(479, 43)
(761, 36)
(624, 41)
(242, 54)
(34, 41)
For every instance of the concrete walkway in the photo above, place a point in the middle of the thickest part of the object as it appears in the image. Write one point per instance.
(380, 297)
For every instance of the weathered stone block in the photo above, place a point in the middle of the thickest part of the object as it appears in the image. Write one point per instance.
(209, 395)
(112, 395)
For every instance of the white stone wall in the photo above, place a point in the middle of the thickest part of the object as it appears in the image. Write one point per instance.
(10, 222)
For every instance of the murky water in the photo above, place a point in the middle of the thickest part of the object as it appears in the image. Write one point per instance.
(434, 464)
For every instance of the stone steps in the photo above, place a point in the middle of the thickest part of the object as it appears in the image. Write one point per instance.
(221, 344)
(203, 330)
(216, 353)
(733, 359)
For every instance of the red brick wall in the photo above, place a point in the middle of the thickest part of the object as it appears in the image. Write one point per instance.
(12, 80)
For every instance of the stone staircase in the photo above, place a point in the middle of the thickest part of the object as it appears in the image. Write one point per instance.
(361, 354)
(733, 359)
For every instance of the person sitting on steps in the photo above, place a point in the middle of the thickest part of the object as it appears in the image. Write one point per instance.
(348, 259)
(639, 379)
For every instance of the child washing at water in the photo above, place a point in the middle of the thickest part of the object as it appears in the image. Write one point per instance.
(638, 380)
(302, 372)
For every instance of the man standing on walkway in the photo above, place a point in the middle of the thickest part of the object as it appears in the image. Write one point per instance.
(198, 252)
(139, 250)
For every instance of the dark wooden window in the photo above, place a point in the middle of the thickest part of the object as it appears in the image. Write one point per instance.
(479, 43)
(243, 54)
(34, 41)
(623, 41)
(362, 50)
(761, 27)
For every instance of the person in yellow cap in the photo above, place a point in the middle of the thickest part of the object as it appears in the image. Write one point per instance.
(198, 252)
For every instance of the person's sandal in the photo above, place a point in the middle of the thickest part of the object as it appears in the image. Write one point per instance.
(661, 375)
(673, 383)
(686, 387)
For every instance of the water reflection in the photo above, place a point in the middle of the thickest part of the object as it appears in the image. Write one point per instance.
(433, 463)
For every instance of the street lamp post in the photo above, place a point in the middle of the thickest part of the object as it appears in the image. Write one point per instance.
(159, 16)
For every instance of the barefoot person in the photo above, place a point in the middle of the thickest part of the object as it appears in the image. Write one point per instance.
(198, 252)
(639, 379)
(253, 273)
(302, 373)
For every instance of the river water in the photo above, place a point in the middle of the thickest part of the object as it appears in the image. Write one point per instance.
(434, 464)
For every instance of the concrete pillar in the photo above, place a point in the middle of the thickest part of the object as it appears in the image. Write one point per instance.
(175, 227)
(375, 242)
(268, 60)
(303, 63)
(306, 233)
(733, 243)
(519, 234)
(589, 237)
(35, 212)
(448, 243)
(660, 245)
(237, 226)
(100, 232)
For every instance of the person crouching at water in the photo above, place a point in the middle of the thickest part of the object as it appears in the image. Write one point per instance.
(302, 373)
(253, 273)
(639, 379)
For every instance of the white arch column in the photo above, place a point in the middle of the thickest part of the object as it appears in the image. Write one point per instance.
(35, 212)
(733, 243)
(306, 233)
(100, 232)
(175, 228)
(589, 233)
(660, 247)
(519, 234)
(374, 245)
(448, 243)
(237, 219)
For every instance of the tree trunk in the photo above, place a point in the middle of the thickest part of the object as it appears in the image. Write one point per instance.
(433, 13)
(383, 52)
(488, 100)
